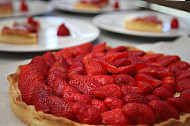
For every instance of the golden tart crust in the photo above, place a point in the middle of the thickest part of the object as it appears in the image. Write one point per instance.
(30, 116)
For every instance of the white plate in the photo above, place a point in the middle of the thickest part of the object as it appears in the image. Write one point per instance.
(115, 21)
(34, 8)
(68, 5)
(48, 39)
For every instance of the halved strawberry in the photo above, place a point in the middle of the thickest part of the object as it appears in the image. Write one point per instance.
(99, 48)
(71, 61)
(66, 53)
(163, 93)
(131, 90)
(49, 58)
(124, 79)
(129, 69)
(169, 88)
(82, 99)
(140, 66)
(117, 49)
(134, 60)
(146, 87)
(121, 62)
(113, 103)
(135, 53)
(167, 60)
(23, 6)
(64, 63)
(182, 74)
(108, 66)
(174, 67)
(169, 80)
(110, 57)
(68, 93)
(134, 98)
(104, 79)
(183, 84)
(58, 66)
(99, 104)
(58, 86)
(152, 97)
(151, 57)
(186, 94)
(82, 49)
(63, 30)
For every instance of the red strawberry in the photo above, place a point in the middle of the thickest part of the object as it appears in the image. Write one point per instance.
(151, 57)
(110, 57)
(135, 98)
(87, 114)
(82, 99)
(116, 117)
(68, 93)
(174, 67)
(86, 85)
(113, 103)
(148, 78)
(41, 96)
(135, 53)
(130, 69)
(169, 88)
(169, 80)
(93, 67)
(58, 86)
(23, 6)
(104, 79)
(58, 66)
(62, 108)
(167, 60)
(49, 58)
(152, 97)
(134, 60)
(162, 93)
(182, 74)
(140, 113)
(180, 103)
(183, 84)
(140, 66)
(71, 61)
(66, 53)
(64, 63)
(82, 49)
(186, 94)
(174, 23)
(131, 90)
(117, 49)
(109, 90)
(99, 104)
(63, 30)
(121, 62)
(124, 79)
(165, 110)
(108, 66)
(116, 5)
(99, 48)
(146, 87)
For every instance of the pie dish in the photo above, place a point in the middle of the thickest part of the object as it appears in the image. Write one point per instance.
(155, 92)
(21, 32)
(6, 8)
(149, 23)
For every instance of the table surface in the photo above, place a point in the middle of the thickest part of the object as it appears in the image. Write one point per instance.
(112, 39)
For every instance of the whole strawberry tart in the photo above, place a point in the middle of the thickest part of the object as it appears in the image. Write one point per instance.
(98, 85)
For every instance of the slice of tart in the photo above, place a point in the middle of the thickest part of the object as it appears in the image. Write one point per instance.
(149, 23)
(6, 8)
(21, 32)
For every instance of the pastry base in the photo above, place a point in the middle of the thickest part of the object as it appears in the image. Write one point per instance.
(79, 6)
(143, 26)
(5, 11)
(30, 116)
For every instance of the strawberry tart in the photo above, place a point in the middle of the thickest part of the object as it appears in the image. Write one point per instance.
(21, 32)
(149, 23)
(6, 8)
(98, 85)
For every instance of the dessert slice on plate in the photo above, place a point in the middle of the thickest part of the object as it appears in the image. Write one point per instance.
(6, 8)
(21, 32)
(149, 23)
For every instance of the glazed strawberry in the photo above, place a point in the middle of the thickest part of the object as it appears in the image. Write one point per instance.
(104, 79)
(99, 104)
(66, 53)
(167, 60)
(135, 53)
(152, 97)
(140, 66)
(58, 66)
(109, 90)
(58, 86)
(110, 57)
(124, 79)
(180, 103)
(59, 107)
(134, 98)
(64, 63)
(71, 61)
(182, 74)
(63, 30)
(23, 6)
(41, 96)
(82, 49)
(169, 88)
(121, 62)
(165, 110)
(163, 93)
(99, 48)
(151, 57)
(68, 93)
(49, 58)
(116, 117)
(134, 60)
(131, 90)
(86, 85)
(130, 69)
(148, 78)
(174, 23)
(93, 67)
(141, 113)
(146, 87)
(186, 94)
(183, 84)
(117, 49)
(113, 103)
(82, 99)
(87, 114)
(108, 66)
(177, 66)
(169, 80)
(116, 5)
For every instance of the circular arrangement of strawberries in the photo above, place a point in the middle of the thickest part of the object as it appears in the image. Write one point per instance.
(99, 85)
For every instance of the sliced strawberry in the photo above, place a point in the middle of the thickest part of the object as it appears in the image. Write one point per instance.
(174, 67)
(82, 49)
(169, 80)
(86, 85)
(134, 98)
(152, 97)
(108, 66)
(110, 57)
(180, 103)
(169, 88)
(104, 79)
(99, 48)
(148, 78)
(87, 114)
(62, 108)
(72, 61)
(183, 84)
(140, 66)
(117, 49)
(121, 62)
(135, 53)
(63, 30)
(58, 66)
(116, 5)
(113, 103)
(167, 60)
(165, 110)
(186, 94)
(131, 90)
(58, 86)
(116, 117)
(82, 99)
(134, 60)
(151, 57)
(64, 63)
(109, 90)
(141, 113)
(99, 104)
(174, 23)
(146, 87)
(49, 58)
(66, 53)
(182, 74)
(130, 69)
(163, 93)
(124, 79)
(68, 93)
(23, 6)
